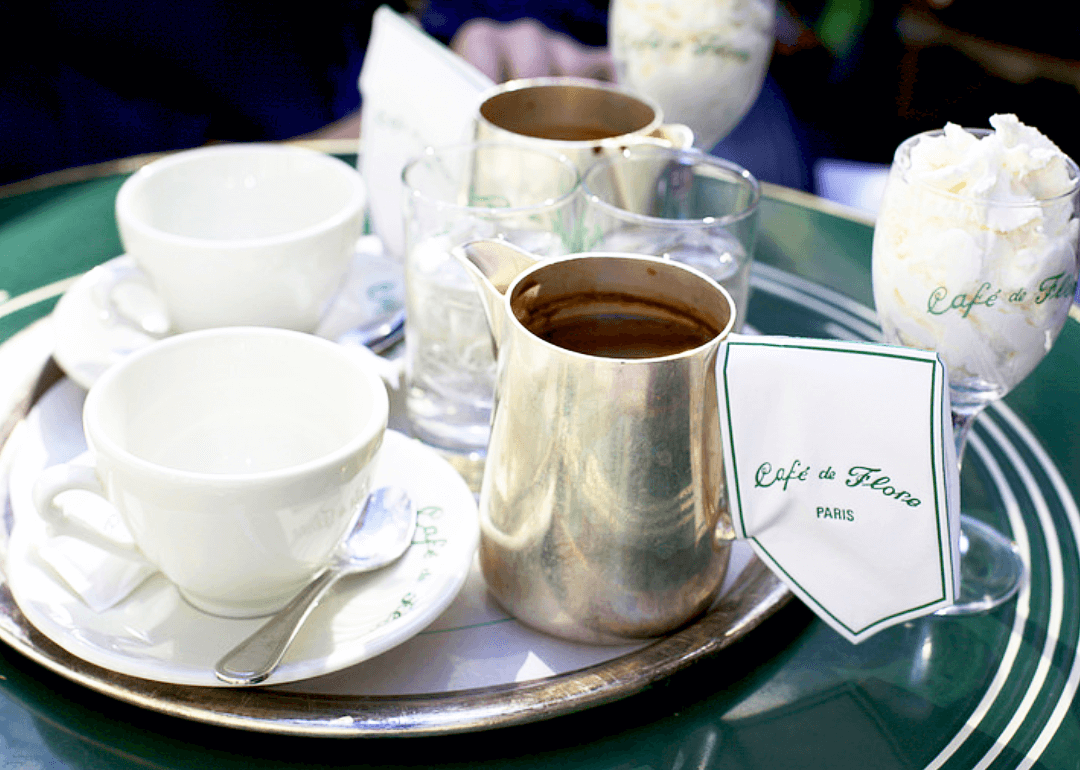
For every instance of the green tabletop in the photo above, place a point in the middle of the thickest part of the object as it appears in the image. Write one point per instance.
(994, 690)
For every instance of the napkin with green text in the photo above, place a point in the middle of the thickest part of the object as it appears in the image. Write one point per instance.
(842, 475)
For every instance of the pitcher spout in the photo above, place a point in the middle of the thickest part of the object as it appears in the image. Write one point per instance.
(493, 266)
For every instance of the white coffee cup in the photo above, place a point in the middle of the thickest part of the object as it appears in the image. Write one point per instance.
(238, 458)
(242, 234)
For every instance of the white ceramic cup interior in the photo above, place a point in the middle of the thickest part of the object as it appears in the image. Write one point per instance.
(239, 459)
(244, 234)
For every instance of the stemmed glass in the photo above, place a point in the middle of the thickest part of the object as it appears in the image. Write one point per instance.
(982, 272)
(703, 61)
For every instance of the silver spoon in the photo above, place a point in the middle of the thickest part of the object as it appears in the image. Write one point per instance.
(381, 535)
(380, 337)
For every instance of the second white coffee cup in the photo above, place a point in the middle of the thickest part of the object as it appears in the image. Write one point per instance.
(238, 458)
(243, 234)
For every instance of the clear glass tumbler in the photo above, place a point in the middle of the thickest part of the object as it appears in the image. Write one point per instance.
(682, 205)
(453, 195)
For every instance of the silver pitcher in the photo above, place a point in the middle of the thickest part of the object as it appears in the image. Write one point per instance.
(603, 509)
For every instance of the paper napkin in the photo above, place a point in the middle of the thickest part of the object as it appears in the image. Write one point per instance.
(842, 474)
(416, 93)
(101, 577)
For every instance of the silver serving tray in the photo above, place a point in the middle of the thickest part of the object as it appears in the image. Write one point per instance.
(27, 371)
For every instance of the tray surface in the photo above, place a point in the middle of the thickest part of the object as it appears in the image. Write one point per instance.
(995, 690)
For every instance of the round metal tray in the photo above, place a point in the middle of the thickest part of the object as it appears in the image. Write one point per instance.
(793, 306)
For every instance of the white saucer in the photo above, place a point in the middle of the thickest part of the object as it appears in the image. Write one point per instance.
(153, 634)
(89, 339)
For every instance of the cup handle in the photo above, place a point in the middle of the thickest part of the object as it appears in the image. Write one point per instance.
(115, 310)
(76, 475)
(678, 135)
(674, 135)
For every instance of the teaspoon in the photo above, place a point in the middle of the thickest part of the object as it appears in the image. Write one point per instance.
(381, 535)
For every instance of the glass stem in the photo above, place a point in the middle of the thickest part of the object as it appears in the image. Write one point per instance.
(962, 420)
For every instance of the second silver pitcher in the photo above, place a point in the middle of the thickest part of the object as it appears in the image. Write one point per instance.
(603, 512)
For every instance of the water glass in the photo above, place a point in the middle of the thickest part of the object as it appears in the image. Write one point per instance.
(454, 195)
(682, 205)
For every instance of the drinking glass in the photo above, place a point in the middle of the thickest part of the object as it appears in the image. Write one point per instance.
(453, 195)
(987, 284)
(703, 61)
(682, 205)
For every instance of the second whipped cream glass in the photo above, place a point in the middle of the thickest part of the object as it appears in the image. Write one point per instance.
(703, 61)
(987, 284)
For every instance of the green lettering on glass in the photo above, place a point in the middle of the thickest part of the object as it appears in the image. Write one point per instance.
(942, 301)
(1055, 287)
(939, 302)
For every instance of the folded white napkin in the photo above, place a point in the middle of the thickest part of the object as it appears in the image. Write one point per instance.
(842, 474)
(100, 578)
(416, 94)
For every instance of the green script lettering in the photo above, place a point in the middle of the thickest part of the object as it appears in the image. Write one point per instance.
(863, 476)
(766, 477)
(1055, 287)
(942, 301)
(939, 302)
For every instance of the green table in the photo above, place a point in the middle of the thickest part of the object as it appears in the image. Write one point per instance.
(989, 691)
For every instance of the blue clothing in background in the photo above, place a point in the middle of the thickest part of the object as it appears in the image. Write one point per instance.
(94, 80)
(583, 20)
(769, 142)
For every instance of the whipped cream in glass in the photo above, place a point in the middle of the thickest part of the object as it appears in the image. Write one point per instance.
(975, 257)
(704, 61)
(975, 252)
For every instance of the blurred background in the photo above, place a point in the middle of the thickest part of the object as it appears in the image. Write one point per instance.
(89, 81)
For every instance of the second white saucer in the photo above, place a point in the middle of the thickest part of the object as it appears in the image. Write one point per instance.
(89, 339)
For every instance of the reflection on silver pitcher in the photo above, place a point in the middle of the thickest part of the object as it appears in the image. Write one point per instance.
(603, 510)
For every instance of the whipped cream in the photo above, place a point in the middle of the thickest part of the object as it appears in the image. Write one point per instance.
(703, 62)
(975, 252)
